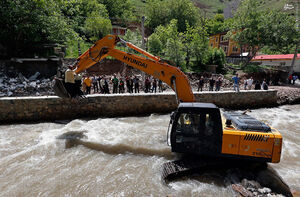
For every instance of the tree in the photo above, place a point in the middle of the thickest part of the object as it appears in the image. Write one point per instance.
(216, 57)
(155, 45)
(25, 24)
(162, 12)
(97, 25)
(174, 47)
(199, 45)
(256, 28)
(279, 34)
(117, 8)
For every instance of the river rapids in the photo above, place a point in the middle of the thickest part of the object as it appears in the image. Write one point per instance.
(123, 157)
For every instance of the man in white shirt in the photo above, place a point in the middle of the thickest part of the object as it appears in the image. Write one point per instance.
(249, 83)
(70, 81)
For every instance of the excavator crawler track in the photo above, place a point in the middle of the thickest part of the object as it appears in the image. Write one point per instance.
(179, 168)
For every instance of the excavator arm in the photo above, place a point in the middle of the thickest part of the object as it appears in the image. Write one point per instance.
(152, 65)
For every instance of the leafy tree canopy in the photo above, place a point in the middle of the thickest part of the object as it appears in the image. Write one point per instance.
(162, 12)
(256, 28)
(24, 23)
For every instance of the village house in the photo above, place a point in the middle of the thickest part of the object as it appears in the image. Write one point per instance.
(280, 62)
(118, 30)
(229, 46)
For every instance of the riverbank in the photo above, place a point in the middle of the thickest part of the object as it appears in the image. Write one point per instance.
(49, 108)
(289, 94)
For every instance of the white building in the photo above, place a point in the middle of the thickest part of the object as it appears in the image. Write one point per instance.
(282, 62)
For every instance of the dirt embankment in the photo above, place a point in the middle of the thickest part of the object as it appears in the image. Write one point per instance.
(289, 94)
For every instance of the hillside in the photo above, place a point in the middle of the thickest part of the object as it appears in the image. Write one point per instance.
(211, 7)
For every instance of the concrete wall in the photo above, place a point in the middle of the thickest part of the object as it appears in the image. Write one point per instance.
(22, 109)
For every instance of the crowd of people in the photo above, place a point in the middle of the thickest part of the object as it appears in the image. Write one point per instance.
(85, 84)
(77, 84)
(215, 83)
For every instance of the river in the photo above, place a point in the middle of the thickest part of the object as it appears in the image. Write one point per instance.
(125, 159)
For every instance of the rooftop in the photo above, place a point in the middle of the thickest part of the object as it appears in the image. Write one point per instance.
(276, 57)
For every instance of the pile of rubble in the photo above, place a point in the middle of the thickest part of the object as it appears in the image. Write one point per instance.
(250, 188)
(21, 86)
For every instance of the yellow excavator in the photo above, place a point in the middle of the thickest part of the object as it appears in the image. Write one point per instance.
(195, 128)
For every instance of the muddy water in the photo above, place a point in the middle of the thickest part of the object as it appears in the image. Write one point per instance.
(124, 158)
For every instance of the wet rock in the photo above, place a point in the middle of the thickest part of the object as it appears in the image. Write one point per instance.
(240, 189)
(9, 93)
(34, 77)
(32, 84)
(264, 190)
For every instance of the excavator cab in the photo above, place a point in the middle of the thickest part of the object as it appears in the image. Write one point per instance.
(196, 129)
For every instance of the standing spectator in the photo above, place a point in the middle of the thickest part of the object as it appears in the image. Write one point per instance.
(95, 84)
(78, 79)
(250, 82)
(160, 86)
(88, 83)
(264, 85)
(257, 85)
(295, 77)
(70, 81)
(136, 85)
(115, 82)
(99, 82)
(245, 83)
(154, 85)
(127, 84)
(211, 84)
(201, 83)
(218, 84)
(147, 86)
(121, 86)
(130, 85)
(106, 88)
(102, 85)
(236, 80)
(150, 83)
(290, 78)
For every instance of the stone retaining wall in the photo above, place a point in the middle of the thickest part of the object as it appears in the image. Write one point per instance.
(48, 108)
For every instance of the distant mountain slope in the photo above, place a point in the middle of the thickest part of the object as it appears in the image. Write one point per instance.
(211, 7)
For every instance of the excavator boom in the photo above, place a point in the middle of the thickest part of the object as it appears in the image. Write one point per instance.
(171, 75)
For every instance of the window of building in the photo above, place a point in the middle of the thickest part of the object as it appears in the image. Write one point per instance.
(225, 49)
(216, 39)
(223, 38)
(235, 49)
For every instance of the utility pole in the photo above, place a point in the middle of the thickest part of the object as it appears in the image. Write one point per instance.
(143, 43)
(143, 33)
(296, 2)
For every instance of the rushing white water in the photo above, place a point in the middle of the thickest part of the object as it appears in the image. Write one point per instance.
(124, 158)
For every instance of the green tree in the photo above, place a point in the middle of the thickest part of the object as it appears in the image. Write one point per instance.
(257, 28)
(117, 8)
(216, 56)
(25, 24)
(162, 12)
(174, 46)
(97, 25)
(155, 45)
(199, 45)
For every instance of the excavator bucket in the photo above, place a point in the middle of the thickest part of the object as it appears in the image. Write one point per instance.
(60, 89)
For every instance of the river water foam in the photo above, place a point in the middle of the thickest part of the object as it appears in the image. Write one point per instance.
(121, 157)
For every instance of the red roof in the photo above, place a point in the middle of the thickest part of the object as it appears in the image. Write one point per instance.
(275, 57)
